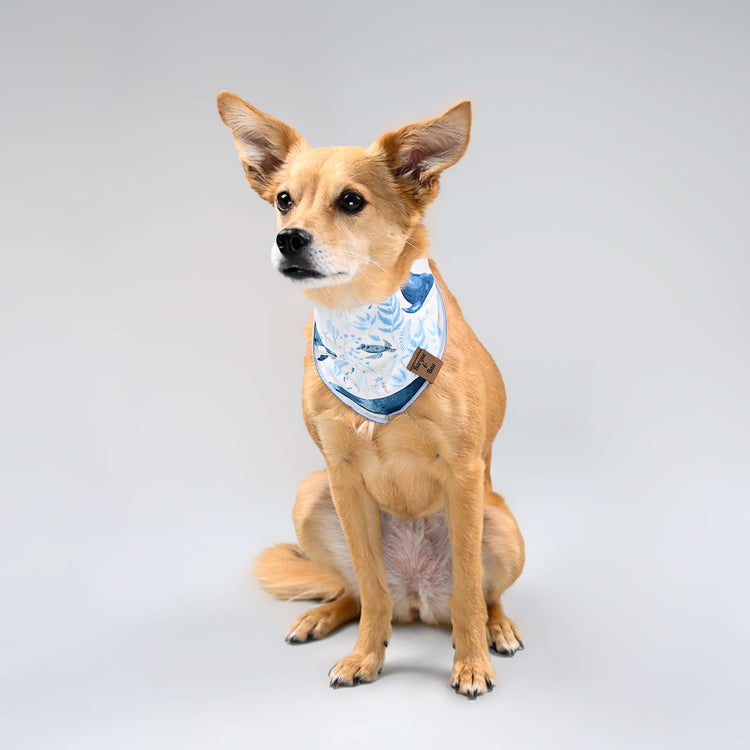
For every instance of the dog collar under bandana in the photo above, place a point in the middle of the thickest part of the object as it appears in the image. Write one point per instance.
(362, 353)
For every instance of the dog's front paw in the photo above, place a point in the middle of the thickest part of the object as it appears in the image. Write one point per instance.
(355, 669)
(472, 677)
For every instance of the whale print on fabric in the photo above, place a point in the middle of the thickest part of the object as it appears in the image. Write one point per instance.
(362, 353)
(387, 405)
(417, 289)
(318, 342)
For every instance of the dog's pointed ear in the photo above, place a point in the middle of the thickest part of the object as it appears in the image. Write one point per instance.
(263, 142)
(417, 154)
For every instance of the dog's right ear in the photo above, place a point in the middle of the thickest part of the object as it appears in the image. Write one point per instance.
(263, 142)
(418, 153)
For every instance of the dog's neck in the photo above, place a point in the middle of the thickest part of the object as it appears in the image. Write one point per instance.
(376, 282)
(365, 354)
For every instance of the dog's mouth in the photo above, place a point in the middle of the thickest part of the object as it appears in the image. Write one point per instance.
(312, 276)
(300, 273)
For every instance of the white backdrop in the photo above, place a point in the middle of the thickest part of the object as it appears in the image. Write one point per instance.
(596, 234)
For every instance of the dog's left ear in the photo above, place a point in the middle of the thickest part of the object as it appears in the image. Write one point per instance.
(418, 153)
(263, 142)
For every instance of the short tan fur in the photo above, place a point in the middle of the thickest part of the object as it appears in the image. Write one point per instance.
(426, 468)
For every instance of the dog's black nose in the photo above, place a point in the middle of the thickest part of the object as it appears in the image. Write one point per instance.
(292, 241)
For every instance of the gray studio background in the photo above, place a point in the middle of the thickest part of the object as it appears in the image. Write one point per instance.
(596, 235)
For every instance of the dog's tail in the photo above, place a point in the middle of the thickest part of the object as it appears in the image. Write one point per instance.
(284, 571)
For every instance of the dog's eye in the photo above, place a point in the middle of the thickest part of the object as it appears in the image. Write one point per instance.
(284, 202)
(351, 202)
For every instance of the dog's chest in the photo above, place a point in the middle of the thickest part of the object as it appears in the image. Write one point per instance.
(400, 464)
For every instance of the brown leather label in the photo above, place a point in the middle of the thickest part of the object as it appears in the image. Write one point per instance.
(425, 365)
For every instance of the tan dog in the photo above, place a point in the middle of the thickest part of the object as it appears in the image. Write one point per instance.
(403, 523)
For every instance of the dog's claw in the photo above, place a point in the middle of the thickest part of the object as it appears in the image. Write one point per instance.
(501, 651)
(294, 640)
(356, 680)
(336, 682)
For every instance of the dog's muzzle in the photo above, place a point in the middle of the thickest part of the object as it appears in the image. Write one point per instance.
(293, 244)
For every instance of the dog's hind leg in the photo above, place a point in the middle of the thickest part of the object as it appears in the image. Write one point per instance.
(502, 562)
(319, 566)
(320, 621)
(502, 633)
(323, 543)
(319, 531)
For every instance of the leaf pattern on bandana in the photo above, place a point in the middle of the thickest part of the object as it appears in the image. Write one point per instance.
(363, 352)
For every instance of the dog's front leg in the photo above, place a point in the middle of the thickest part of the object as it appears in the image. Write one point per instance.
(473, 673)
(360, 519)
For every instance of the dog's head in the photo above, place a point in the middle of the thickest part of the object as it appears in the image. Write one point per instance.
(349, 219)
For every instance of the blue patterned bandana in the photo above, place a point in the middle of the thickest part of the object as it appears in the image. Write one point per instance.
(362, 353)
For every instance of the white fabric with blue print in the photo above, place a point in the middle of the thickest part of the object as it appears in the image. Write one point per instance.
(361, 353)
